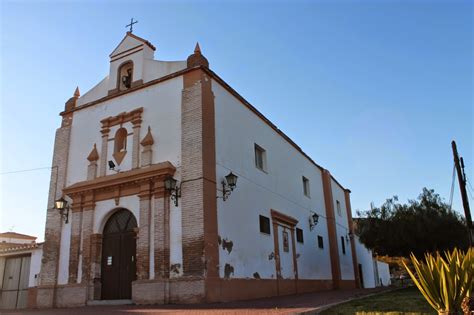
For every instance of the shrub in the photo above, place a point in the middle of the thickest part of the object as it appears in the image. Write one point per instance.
(444, 282)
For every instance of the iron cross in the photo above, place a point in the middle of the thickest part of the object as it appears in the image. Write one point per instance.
(131, 25)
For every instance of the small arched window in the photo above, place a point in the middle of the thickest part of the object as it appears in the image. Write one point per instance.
(125, 75)
(120, 144)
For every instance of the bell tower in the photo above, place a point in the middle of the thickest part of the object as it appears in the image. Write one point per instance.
(127, 63)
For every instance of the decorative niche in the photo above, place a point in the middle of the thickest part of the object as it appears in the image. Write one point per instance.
(120, 144)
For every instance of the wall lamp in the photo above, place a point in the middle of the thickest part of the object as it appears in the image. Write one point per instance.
(63, 207)
(313, 220)
(228, 185)
(171, 186)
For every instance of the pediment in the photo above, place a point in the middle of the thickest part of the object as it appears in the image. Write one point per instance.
(129, 43)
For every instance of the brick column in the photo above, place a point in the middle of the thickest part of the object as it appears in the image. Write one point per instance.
(143, 241)
(198, 175)
(103, 151)
(161, 237)
(347, 196)
(332, 234)
(96, 255)
(87, 225)
(50, 260)
(74, 248)
(136, 143)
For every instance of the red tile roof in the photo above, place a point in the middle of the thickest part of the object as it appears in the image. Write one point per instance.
(17, 235)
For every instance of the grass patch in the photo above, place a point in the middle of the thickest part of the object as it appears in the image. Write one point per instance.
(407, 301)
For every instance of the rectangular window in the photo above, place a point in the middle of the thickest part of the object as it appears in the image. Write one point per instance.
(264, 224)
(338, 206)
(320, 241)
(306, 187)
(260, 158)
(299, 235)
(343, 244)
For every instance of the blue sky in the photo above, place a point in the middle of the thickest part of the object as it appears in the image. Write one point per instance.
(374, 91)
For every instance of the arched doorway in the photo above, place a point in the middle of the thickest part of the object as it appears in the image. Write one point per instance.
(118, 256)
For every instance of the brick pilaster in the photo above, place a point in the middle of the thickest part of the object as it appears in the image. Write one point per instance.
(96, 255)
(161, 237)
(198, 176)
(143, 241)
(87, 225)
(332, 234)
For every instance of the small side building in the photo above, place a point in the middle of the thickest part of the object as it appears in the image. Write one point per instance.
(20, 264)
(373, 273)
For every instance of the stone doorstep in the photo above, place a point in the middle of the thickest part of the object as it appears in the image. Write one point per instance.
(109, 302)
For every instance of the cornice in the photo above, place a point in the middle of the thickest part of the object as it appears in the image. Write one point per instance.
(129, 177)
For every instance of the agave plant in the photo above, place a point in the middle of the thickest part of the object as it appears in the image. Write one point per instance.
(444, 282)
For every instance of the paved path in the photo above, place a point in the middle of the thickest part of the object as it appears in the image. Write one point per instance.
(295, 304)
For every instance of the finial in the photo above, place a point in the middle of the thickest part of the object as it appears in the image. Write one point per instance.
(77, 93)
(197, 58)
(94, 155)
(197, 49)
(148, 139)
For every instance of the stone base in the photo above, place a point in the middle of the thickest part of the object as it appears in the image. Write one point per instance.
(226, 290)
(164, 291)
(45, 297)
(347, 284)
(71, 295)
(32, 296)
(185, 290)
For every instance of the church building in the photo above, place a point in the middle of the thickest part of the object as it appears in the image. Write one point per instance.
(167, 186)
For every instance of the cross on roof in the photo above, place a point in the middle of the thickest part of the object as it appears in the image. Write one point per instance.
(131, 25)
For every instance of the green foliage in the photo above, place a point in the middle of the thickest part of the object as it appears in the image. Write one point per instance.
(422, 225)
(444, 282)
(407, 301)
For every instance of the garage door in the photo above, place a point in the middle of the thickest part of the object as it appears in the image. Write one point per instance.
(14, 291)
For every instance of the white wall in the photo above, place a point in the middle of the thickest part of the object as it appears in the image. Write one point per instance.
(161, 111)
(35, 266)
(342, 230)
(365, 258)
(384, 273)
(280, 188)
(14, 240)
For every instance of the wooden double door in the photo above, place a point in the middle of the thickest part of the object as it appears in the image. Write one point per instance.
(118, 256)
(14, 286)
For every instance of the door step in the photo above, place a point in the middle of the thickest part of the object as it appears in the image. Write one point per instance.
(109, 302)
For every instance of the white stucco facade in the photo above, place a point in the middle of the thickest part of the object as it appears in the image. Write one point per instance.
(170, 120)
(280, 188)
